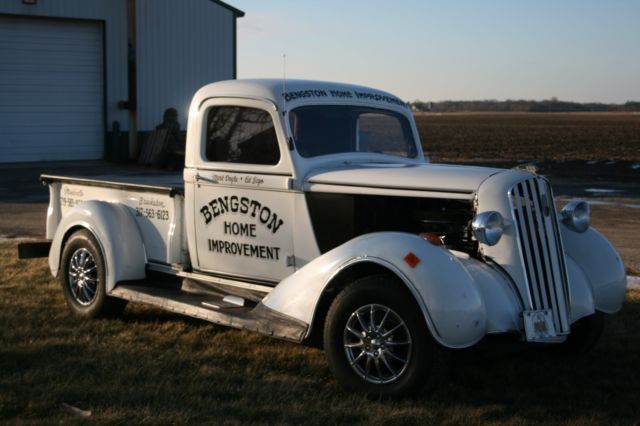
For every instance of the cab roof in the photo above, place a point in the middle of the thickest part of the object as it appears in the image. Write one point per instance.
(286, 94)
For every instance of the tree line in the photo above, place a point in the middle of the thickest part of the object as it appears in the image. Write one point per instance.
(549, 105)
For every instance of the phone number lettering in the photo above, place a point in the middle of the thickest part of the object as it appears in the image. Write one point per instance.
(158, 214)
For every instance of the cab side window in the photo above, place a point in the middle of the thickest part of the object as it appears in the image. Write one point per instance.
(241, 135)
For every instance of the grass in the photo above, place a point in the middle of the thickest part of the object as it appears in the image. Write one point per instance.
(154, 367)
(529, 136)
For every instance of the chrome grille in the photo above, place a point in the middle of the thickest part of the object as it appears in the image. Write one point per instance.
(534, 215)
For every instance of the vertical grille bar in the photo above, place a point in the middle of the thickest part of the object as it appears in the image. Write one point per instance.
(535, 252)
(541, 249)
(524, 238)
(556, 257)
(556, 252)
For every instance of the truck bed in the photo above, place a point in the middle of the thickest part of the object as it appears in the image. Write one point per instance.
(155, 201)
(171, 183)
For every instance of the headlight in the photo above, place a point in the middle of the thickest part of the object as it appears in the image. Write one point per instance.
(577, 216)
(487, 227)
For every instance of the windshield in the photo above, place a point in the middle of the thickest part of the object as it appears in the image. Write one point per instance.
(323, 130)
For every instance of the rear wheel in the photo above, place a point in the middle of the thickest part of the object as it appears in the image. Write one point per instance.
(377, 343)
(82, 276)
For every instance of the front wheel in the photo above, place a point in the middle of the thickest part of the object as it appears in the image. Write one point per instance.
(377, 343)
(584, 335)
(82, 276)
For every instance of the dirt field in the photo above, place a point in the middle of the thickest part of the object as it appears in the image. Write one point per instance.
(530, 136)
(621, 226)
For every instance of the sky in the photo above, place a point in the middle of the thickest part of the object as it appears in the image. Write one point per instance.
(574, 50)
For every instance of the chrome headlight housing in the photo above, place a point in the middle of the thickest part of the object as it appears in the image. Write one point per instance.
(577, 216)
(487, 227)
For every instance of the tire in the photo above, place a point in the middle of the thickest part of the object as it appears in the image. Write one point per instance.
(377, 342)
(584, 335)
(82, 276)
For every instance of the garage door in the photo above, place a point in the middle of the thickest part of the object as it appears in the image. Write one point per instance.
(51, 90)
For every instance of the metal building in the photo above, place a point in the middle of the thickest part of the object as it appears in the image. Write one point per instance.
(70, 69)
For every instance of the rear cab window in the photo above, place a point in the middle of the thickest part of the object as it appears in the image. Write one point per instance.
(239, 134)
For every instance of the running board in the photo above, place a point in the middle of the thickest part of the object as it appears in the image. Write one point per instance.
(262, 286)
(214, 308)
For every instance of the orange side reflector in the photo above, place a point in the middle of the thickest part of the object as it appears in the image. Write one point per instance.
(411, 259)
(432, 238)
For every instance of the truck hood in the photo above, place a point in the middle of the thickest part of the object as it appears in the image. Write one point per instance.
(436, 178)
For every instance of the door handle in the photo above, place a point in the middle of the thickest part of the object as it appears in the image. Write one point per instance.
(205, 179)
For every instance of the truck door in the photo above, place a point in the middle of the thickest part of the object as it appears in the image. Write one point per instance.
(243, 206)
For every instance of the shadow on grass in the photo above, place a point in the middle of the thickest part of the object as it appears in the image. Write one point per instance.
(538, 384)
(35, 378)
(154, 366)
(137, 314)
(129, 384)
(500, 379)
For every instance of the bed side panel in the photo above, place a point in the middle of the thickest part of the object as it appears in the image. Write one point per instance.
(157, 216)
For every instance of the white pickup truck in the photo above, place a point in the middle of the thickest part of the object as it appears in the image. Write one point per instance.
(308, 212)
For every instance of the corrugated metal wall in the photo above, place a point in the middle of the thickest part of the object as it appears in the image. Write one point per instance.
(181, 46)
(114, 15)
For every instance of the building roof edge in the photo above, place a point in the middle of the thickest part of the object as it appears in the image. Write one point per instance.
(237, 12)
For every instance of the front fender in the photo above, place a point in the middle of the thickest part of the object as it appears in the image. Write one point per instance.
(600, 265)
(450, 301)
(580, 291)
(117, 233)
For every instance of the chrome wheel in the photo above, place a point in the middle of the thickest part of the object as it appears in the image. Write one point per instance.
(377, 343)
(83, 276)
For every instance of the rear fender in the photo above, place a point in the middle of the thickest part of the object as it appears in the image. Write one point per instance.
(452, 306)
(117, 233)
